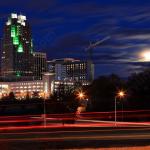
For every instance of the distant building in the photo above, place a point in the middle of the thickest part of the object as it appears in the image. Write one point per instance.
(17, 48)
(40, 65)
(21, 89)
(51, 66)
(70, 73)
(64, 86)
(69, 69)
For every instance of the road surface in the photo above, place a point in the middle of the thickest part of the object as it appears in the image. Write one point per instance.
(29, 133)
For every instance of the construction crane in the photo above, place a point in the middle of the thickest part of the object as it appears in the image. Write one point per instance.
(90, 48)
(89, 51)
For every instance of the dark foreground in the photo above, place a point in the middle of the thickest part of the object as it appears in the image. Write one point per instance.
(67, 137)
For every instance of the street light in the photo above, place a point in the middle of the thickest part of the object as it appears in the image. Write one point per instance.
(120, 94)
(80, 95)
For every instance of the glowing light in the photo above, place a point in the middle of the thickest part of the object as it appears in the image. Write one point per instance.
(18, 30)
(80, 95)
(121, 94)
(16, 40)
(21, 17)
(146, 56)
(31, 46)
(20, 48)
(8, 22)
(46, 87)
(18, 74)
(13, 31)
(13, 15)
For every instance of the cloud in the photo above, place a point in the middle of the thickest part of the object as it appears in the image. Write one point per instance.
(65, 28)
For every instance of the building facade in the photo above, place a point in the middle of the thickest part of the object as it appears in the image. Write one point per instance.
(70, 69)
(40, 65)
(70, 73)
(17, 47)
(21, 89)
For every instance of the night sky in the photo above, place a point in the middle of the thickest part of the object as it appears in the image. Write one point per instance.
(64, 28)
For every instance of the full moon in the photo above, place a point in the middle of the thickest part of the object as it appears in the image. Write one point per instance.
(145, 56)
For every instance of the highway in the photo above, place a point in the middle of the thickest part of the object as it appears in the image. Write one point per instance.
(74, 137)
(29, 132)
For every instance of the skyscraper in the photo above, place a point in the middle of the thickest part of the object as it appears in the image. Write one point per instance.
(17, 48)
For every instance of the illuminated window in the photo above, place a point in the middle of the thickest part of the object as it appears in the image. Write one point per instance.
(13, 31)
(46, 87)
(31, 46)
(20, 48)
(18, 30)
(16, 40)
(18, 74)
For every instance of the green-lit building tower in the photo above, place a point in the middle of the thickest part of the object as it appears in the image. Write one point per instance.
(17, 48)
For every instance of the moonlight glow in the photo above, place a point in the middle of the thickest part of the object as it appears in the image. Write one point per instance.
(145, 55)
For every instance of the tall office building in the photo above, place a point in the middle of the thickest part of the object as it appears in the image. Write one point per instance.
(17, 48)
(40, 65)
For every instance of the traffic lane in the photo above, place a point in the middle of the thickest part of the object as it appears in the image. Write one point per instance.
(95, 138)
(78, 134)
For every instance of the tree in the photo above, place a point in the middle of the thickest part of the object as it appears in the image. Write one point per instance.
(102, 92)
(11, 96)
(65, 96)
(139, 90)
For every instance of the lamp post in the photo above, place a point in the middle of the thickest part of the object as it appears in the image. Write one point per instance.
(44, 116)
(80, 97)
(120, 94)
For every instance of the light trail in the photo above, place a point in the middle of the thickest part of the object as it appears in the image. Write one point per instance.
(60, 126)
(77, 138)
(96, 119)
(65, 114)
(74, 131)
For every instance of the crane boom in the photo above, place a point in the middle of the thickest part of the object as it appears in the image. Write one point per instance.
(97, 43)
(89, 51)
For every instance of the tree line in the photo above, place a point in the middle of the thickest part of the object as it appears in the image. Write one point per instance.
(103, 90)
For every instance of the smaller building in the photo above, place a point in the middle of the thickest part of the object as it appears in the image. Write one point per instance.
(40, 65)
(64, 86)
(22, 89)
(69, 69)
(69, 73)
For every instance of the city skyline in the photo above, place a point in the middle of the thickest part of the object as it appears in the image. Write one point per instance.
(65, 29)
(25, 71)
(74, 74)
